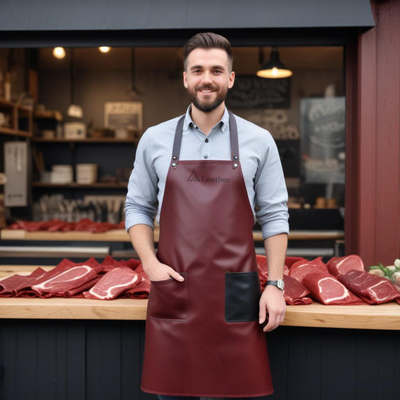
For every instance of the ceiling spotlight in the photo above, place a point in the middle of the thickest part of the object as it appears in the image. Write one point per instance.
(59, 52)
(104, 49)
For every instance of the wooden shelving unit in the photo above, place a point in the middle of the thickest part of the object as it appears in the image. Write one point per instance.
(97, 185)
(87, 140)
(48, 114)
(16, 112)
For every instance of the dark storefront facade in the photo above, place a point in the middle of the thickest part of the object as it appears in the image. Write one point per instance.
(372, 184)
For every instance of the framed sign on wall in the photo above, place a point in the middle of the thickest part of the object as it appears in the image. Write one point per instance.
(123, 115)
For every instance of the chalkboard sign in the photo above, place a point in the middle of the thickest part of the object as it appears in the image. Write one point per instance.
(322, 133)
(250, 91)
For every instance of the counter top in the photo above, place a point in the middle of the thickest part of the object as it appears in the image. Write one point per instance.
(384, 317)
(120, 235)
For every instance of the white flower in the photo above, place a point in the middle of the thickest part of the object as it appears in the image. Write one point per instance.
(397, 262)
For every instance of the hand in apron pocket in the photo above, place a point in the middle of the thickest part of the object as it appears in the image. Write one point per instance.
(168, 299)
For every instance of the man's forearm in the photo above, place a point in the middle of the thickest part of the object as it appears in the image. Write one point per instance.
(275, 249)
(142, 238)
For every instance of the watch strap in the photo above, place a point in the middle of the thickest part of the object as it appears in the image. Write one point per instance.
(274, 283)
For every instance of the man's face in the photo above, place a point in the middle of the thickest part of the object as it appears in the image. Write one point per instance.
(208, 78)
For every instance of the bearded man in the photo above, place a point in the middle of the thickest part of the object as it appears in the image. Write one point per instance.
(203, 175)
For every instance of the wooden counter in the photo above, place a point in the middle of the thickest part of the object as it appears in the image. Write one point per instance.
(383, 317)
(120, 235)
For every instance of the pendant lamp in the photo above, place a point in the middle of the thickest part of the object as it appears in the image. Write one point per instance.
(274, 68)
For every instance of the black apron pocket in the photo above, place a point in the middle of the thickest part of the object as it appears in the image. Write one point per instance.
(168, 299)
(242, 296)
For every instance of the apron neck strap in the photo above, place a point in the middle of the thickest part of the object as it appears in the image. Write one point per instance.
(233, 136)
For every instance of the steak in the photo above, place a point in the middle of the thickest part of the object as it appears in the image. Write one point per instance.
(142, 290)
(328, 290)
(371, 288)
(11, 285)
(340, 265)
(65, 281)
(295, 292)
(301, 269)
(113, 283)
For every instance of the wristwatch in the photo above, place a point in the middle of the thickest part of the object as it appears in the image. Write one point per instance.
(280, 284)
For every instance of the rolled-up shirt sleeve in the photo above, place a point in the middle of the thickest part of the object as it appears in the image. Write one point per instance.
(141, 200)
(271, 195)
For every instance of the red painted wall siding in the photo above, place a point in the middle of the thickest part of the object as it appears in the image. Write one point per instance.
(373, 187)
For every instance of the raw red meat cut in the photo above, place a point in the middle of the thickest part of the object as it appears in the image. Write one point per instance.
(113, 283)
(142, 290)
(10, 286)
(77, 292)
(372, 289)
(301, 269)
(328, 290)
(65, 281)
(289, 261)
(340, 265)
(55, 225)
(109, 263)
(70, 227)
(295, 292)
(91, 262)
(262, 269)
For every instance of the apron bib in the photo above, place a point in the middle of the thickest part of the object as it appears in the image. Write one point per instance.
(202, 335)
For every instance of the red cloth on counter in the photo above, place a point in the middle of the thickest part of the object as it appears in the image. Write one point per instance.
(371, 288)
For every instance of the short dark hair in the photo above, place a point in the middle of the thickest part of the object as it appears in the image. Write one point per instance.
(207, 40)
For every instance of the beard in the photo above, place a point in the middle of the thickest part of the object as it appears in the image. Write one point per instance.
(206, 105)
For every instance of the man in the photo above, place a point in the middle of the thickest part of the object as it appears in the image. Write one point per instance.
(204, 173)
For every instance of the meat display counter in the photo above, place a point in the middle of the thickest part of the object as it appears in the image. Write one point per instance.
(94, 349)
(384, 316)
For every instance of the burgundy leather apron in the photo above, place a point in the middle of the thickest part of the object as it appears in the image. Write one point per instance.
(202, 335)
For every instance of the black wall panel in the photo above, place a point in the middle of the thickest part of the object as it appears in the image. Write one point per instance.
(101, 360)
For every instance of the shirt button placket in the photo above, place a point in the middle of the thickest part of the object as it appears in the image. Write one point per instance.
(206, 155)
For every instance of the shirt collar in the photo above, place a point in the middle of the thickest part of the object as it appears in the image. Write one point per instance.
(223, 123)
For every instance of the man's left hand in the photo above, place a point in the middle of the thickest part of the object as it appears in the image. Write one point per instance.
(272, 301)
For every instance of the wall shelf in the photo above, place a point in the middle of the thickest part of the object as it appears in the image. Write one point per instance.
(14, 132)
(97, 185)
(48, 114)
(87, 140)
(16, 112)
